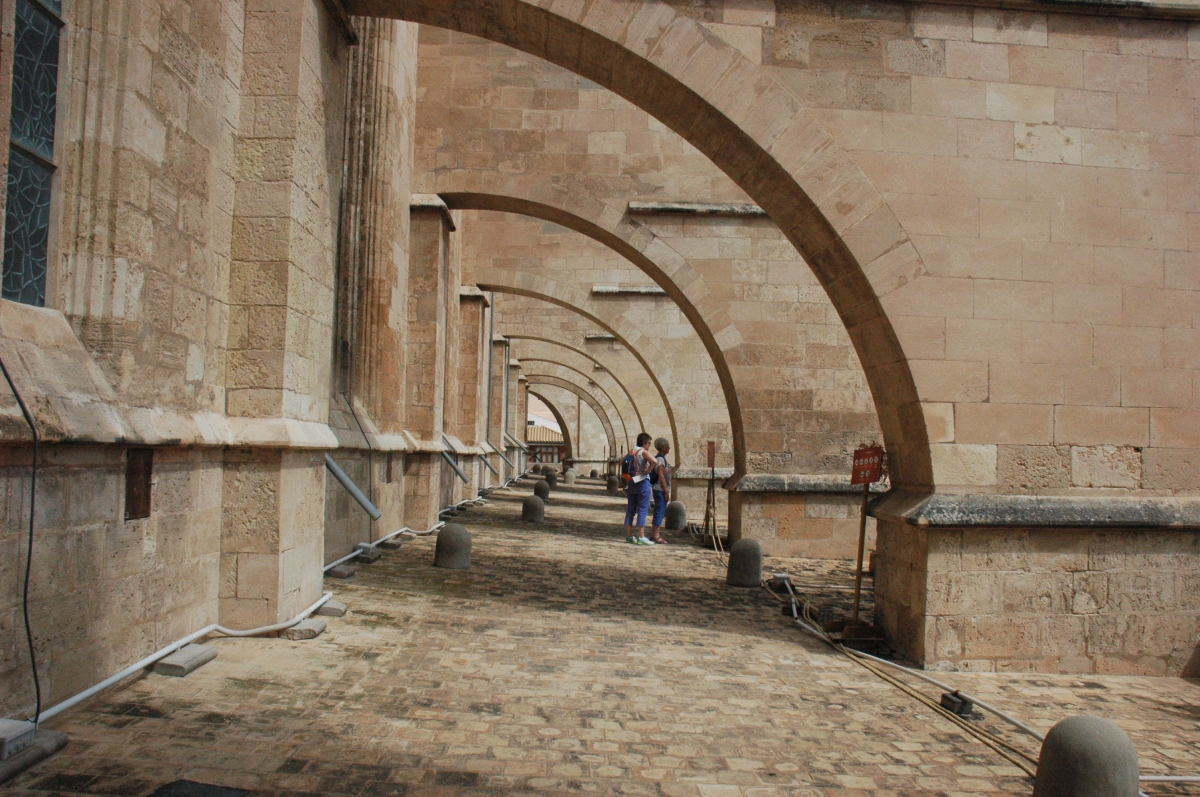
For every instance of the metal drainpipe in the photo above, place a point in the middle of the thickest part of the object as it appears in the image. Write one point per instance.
(487, 429)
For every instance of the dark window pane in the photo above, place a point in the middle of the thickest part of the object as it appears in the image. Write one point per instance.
(26, 229)
(35, 80)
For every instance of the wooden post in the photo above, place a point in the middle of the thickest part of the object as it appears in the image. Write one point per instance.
(862, 541)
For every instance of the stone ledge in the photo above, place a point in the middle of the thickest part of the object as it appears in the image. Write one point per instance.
(434, 203)
(802, 483)
(698, 208)
(1119, 8)
(1015, 511)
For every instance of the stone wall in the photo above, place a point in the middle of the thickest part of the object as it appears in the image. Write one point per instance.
(104, 591)
(1118, 601)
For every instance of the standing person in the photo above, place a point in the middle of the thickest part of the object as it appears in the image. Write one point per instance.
(660, 481)
(638, 491)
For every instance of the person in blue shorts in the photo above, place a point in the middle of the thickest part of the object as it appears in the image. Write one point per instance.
(660, 484)
(638, 491)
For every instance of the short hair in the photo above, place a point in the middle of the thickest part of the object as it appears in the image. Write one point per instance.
(642, 439)
(661, 443)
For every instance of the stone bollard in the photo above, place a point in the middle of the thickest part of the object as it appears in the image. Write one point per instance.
(569, 477)
(552, 478)
(676, 519)
(453, 548)
(613, 485)
(1087, 756)
(745, 564)
(537, 468)
(541, 489)
(532, 509)
(595, 474)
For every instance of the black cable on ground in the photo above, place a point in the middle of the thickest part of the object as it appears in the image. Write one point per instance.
(37, 686)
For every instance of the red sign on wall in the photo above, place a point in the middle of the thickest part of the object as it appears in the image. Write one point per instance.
(868, 465)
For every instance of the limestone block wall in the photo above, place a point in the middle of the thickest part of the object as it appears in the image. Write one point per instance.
(813, 525)
(1118, 601)
(104, 591)
(151, 110)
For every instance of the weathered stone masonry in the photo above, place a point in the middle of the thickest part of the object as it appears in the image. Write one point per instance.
(279, 231)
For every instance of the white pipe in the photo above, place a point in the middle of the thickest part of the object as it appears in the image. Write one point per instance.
(174, 646)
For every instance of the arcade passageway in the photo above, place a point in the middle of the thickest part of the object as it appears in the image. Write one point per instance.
(565, 661)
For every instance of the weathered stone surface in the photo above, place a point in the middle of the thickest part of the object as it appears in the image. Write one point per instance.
(453, 549)
(331, 608)
(533, 510)
(541, 489)
(676, 518)
(185, 660)
(745, 564)
(1087, 756)
(310, 628)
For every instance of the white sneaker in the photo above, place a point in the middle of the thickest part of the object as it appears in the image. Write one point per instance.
(644, 541)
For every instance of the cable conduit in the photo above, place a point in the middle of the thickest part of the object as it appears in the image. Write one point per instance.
(174, 646)
(1008, 718)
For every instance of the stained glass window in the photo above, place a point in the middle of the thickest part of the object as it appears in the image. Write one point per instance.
(31, 154)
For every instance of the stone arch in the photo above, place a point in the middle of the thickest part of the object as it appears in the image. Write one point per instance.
(645, 250)
(582, 353)
(588, 398)
(756, 131)
(535, 287)
(563, 426)
(588, 383)
(647, 360)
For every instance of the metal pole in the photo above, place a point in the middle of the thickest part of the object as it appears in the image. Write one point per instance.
(862, 541)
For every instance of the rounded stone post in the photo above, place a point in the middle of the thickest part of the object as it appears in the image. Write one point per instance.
(552, 478)
(537, 468)
(745, 564)
(532, 509)
(613, 485)
(541, 489)
(569, 477)
(453, 548)
(676, 518)
(595, 474)
(1087, 756)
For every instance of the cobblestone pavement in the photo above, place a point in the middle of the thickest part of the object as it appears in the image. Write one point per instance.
(566, 661)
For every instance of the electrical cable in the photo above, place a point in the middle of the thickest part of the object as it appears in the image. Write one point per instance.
(998, 744)
(37, 684)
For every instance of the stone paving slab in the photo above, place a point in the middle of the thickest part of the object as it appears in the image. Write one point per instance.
(566, 661)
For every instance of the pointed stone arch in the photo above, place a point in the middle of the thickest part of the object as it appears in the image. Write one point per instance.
(540, 365)
(588, 398)
(756, 131)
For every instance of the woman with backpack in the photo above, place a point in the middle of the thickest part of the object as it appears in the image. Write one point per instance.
(636, 470)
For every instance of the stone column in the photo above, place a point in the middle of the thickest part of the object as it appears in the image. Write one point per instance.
(281, 311)
(511, 402)
(430, 226)
(497, 390)
(472, 306)
(372, 289)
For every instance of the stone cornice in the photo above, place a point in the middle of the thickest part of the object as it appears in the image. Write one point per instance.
(942, 510)
(1119, 8)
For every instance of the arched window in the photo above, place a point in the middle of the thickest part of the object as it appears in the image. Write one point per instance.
(31, 150)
